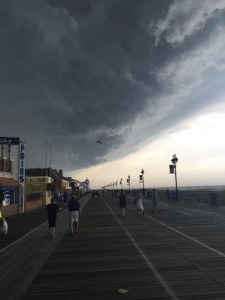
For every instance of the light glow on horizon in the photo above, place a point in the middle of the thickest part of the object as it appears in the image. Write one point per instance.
(200, 148)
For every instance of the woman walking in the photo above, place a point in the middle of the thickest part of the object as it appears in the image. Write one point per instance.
(52, 209)
(139, 205)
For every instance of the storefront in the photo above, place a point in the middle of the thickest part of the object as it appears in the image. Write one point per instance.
(38, 188)
(12, 174)
(9, 187)
(9, 190)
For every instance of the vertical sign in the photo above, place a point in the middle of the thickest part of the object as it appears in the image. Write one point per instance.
(21, 176)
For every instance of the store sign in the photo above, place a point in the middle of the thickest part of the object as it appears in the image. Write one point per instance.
(9, 140)
(22, 164)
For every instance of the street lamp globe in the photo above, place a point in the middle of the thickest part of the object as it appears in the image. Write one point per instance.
(174, 159)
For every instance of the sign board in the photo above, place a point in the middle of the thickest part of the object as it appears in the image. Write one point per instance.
(171, 167)
(9, 140)
(21, 176)
(22, 164)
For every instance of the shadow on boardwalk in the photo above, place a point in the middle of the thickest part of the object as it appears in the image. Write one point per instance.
(26, 248)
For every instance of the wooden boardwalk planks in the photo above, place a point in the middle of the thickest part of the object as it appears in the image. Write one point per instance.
(101, 258)
(153, 257)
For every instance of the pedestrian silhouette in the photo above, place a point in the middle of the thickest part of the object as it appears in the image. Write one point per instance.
(52, 209)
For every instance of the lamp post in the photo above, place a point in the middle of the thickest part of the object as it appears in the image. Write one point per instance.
(142, 178)
(128, 182)
(174, 160)
(116, 184)
(121, 183)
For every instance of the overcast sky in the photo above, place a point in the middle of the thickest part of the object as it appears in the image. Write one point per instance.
(132, 74)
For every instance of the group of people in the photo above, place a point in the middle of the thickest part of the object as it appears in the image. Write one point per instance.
(74, 215)
(138, 201)
(52, 209)
(75, 211)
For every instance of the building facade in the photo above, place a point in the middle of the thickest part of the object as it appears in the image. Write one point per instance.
(12, 169)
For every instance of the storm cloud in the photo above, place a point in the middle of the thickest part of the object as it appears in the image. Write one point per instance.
(123, 72)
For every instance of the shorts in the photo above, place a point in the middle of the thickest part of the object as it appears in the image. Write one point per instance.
(74, 216)
(51, 221)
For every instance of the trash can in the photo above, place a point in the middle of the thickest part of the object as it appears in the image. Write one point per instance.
(213, 199)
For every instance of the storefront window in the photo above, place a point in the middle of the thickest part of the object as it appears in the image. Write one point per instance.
(9, 196)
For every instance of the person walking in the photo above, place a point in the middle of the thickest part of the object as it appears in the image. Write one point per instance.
(123, 202)
(155, 203)
(139, 204)
(52, 209)
(65, 198)
(74, 214)
(3, 223)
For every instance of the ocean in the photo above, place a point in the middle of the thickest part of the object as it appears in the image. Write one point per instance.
(194, 188)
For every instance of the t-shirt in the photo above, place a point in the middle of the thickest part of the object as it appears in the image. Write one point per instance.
(73, 205)
(52, 209)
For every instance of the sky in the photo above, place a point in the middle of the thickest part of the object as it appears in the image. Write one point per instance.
(146, 78)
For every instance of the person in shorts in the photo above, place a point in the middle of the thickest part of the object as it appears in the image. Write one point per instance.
(74, 214)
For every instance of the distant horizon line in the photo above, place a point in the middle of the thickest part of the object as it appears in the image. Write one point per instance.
(184, 187)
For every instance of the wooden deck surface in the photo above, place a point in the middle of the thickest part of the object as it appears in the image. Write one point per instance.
(177, 254)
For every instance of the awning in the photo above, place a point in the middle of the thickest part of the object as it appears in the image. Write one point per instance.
(8, 182)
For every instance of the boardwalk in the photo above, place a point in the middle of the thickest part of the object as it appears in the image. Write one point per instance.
(177, 254)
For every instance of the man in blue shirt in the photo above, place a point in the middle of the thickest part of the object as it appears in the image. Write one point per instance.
(74, 213)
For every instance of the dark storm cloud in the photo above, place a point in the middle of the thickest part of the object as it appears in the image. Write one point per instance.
(74, 72)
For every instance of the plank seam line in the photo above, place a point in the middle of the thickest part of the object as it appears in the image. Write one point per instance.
(169, 291)
(185, 235)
